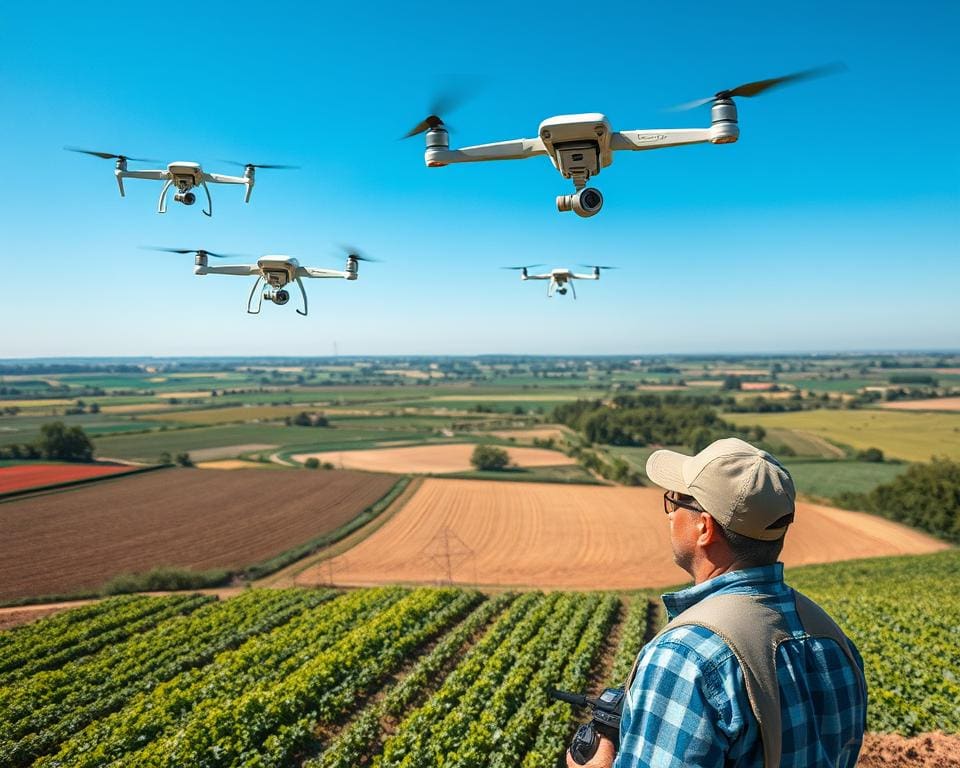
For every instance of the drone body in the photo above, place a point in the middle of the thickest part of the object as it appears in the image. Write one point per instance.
(580, 146)
(274, 271)
(561, 279)
(182, 175)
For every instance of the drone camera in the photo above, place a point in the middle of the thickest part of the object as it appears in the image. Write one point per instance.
(587, 202)
(187, 198)
(280, 297)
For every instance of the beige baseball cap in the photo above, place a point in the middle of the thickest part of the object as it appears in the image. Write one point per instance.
(743, 488)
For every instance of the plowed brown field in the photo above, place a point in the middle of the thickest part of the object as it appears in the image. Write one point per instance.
(571, 537)
(67, 542)
(431, 459)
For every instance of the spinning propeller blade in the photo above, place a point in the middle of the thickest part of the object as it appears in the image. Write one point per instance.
(194, 250)
(109, 156)
(528, 266)
(443, 104)
(355, 253)
(261, 165)
(759, 86)
(598, 266)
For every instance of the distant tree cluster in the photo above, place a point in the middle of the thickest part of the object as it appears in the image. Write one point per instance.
(57, 442)
(489, 457)
(305, 419)
(926, 496)
(650, 420)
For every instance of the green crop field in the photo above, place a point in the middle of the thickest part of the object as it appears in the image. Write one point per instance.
(825, 479)
(900, 435)
(310, 678)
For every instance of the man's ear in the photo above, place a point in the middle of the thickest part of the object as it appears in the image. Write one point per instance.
(706, 529)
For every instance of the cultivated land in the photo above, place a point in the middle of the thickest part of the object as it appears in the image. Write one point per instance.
(431, 459)
(933, 404)
(908, 436)
(78, 539)
(24, 476)
(571, 537)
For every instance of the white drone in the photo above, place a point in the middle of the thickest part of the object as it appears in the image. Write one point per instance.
(180, 174)
(579, 146)
(559, 278)
(274, 271)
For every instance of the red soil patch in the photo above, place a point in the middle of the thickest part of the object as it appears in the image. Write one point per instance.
(928, 750)
(23, 476)
(187, 518)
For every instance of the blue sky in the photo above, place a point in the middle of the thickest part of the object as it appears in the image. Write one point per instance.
(833, 224)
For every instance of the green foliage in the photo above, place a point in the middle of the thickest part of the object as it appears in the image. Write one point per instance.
(874, 455)
(184, 460)
(312, 463)
(925, 496)
(165, 578)
(489, 457)
(62, 443)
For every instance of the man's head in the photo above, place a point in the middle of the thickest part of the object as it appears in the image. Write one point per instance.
(728, 505)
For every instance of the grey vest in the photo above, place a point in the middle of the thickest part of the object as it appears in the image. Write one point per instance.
(754, 632)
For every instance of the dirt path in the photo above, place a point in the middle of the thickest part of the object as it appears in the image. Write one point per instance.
(928, 750)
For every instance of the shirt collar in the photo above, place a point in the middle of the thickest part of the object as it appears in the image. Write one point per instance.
(733, 581)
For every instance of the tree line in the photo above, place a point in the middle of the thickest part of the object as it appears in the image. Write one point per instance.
(57, 442)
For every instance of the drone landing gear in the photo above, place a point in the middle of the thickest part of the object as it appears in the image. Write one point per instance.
(184, 196)
(279, 297)
(304, 294)
(250, 299)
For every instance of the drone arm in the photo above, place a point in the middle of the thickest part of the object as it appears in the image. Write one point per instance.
(162, 206)
(152, 175)
(219, 178)
(230, 269)
(518, 149)
(209, 211)
(303, 293)
(658, 139)
(591, 276)
(537, 277)
(313, 272)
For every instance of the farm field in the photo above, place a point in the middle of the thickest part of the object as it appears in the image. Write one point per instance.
(431, 459)
(22, 476)
(477, 532)
(900, 435)
(414, 678)
(933, 404)
(826, 479)
(76, 540)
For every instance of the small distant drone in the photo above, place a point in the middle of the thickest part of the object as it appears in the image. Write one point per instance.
(560, 277)
(182, 175)
(274, 271)
(579, 146)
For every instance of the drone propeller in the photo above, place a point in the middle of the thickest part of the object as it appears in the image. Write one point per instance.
(355, 253)
(197, 251)
(261, 165)
(109, 156)
(759, 86)
(598, 266)
(528, 266)
(443, 104)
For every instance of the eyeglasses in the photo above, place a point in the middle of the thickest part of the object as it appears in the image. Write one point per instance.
(671, 504)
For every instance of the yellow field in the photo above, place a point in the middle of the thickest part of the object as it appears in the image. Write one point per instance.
(229, 464)
(430, 459)
(37, 403)
(134, 408)
(933, 404)
(570, 537)
(899, 434)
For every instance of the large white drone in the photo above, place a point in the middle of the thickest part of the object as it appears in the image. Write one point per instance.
(274, 271)
(182, 175)
(559, 278)
(579, 146)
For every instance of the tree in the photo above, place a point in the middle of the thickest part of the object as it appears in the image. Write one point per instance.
(184, 460)
(489, 457)
(312, 463)
(870, 454)
(57, 441)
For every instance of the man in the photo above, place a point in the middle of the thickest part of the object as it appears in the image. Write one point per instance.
(748, 672)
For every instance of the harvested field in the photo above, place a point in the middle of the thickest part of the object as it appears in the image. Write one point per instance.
(135, 408)
(22, 476)
(571, 537)
(193, 394)
(229, 464)
(77, 540)
(932, 404)
(431, 459)
(228, 451)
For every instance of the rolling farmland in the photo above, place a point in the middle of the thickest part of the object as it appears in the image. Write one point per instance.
(570, 537)
(189, 518)
(411, 678)
(21, 477)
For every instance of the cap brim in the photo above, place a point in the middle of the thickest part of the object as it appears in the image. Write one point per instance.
(665, 469)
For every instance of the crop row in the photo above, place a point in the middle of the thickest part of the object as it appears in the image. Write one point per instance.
(157, 711)
(41, 712)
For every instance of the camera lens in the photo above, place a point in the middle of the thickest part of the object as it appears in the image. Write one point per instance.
(590, 198)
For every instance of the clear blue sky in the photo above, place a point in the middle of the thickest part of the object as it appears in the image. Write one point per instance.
(834, 224)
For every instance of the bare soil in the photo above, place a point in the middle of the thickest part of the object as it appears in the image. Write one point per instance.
(928, 750)
(78, 539)
(932, 404)
(571, 537)
(431, 459)
(21, 477)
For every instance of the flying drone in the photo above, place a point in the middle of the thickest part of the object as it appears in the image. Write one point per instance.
(579, 146)
(559, 278)
(182, 175)
(274, 271)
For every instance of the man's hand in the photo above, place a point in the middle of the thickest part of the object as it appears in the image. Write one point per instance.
(602, 759)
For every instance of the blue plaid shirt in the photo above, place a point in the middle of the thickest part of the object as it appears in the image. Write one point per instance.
(688, 705)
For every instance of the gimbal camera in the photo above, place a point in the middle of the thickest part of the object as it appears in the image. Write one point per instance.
(605, 714)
